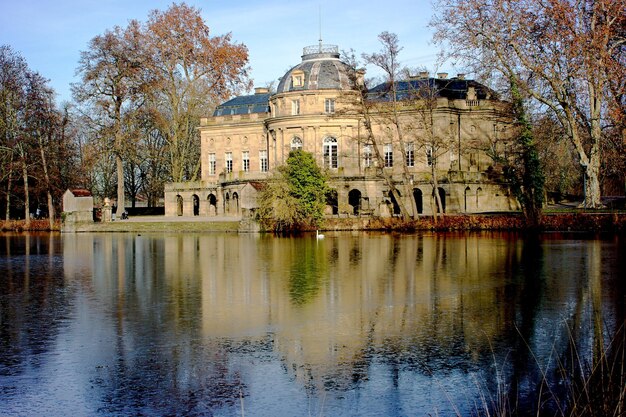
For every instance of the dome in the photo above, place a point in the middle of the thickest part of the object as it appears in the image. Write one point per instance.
(320, 69)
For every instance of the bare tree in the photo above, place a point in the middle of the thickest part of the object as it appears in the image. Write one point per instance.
(387, 60)
(111, 73)
(564, 54)
(13, 70)
(192, 71)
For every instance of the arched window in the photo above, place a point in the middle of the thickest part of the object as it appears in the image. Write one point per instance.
(330, 152)
(179, 205)
(212, 204)
(196, 204)
(296, 144)
(236, 201)
(419, 203)
(354, 199)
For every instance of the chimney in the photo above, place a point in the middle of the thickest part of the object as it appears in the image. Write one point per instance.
(460, 76)
(442, 75)
(261, 90)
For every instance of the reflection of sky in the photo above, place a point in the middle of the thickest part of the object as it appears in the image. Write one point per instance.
(382, 326)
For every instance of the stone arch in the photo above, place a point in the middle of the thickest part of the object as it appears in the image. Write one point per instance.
(419, 200)
(227, 203)
(394, 202)
(442, 196)
(354, 199)
(196, 204)
(212, 210)
(332, 202)
(466, 193)
(179, 205)
(236, 201)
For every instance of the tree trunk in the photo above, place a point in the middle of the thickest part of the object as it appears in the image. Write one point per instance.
(44, 164)
(436, 197)
(51, 213)
(592, 185)
(26, 194)
(120, 185)
(9, 184)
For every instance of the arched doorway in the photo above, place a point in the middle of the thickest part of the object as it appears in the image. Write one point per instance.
(236, 202)
(465, 195)
(396, 206)
(196, 205)
(332, 203)
(354, 199)
(212, 205)
(419, 201)
(179, 205)
(442, 197)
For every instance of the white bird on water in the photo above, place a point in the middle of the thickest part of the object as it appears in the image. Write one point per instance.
(319, 235)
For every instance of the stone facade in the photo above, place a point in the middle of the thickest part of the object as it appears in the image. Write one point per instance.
(445, 124)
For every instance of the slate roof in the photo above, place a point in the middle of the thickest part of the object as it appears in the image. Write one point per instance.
(452, 88)
(319, 74)
(255, 103)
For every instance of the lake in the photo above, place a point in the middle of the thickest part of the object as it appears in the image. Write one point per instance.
(355, 324)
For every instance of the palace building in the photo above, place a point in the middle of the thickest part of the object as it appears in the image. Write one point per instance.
(437, 142)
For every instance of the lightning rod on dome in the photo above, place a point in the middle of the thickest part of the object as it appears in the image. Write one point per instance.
(320, 24)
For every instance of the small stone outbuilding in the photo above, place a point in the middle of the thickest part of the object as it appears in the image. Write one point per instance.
(78, 205)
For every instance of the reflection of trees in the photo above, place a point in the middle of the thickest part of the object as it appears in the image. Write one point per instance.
(184, 318)
(148, 291)
(34, 303)
(307, 270)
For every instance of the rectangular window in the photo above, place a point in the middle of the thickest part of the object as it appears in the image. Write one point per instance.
(330, 153)
(229, 161)
(263, 160)
(212, 164)
(410, 154)
(297, 78)
(367, 155)
(245, 161)
(388, 150)
(295, 107)
(329, 105)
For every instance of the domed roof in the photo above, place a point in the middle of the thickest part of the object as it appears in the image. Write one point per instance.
(320, 69)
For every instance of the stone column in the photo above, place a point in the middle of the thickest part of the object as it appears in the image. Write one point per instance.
(107, 211)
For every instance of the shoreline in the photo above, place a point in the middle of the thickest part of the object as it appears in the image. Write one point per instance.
(612, 222)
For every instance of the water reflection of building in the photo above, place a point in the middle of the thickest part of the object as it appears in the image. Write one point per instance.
(330, 304)
(328, 310)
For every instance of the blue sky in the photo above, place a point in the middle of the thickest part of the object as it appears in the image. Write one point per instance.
(50, 34)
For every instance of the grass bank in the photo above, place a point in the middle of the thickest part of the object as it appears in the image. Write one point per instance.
(572, 221)
(34, 226)
(156, 226)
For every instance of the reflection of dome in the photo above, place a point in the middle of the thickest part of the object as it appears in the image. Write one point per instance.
(320, 69)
